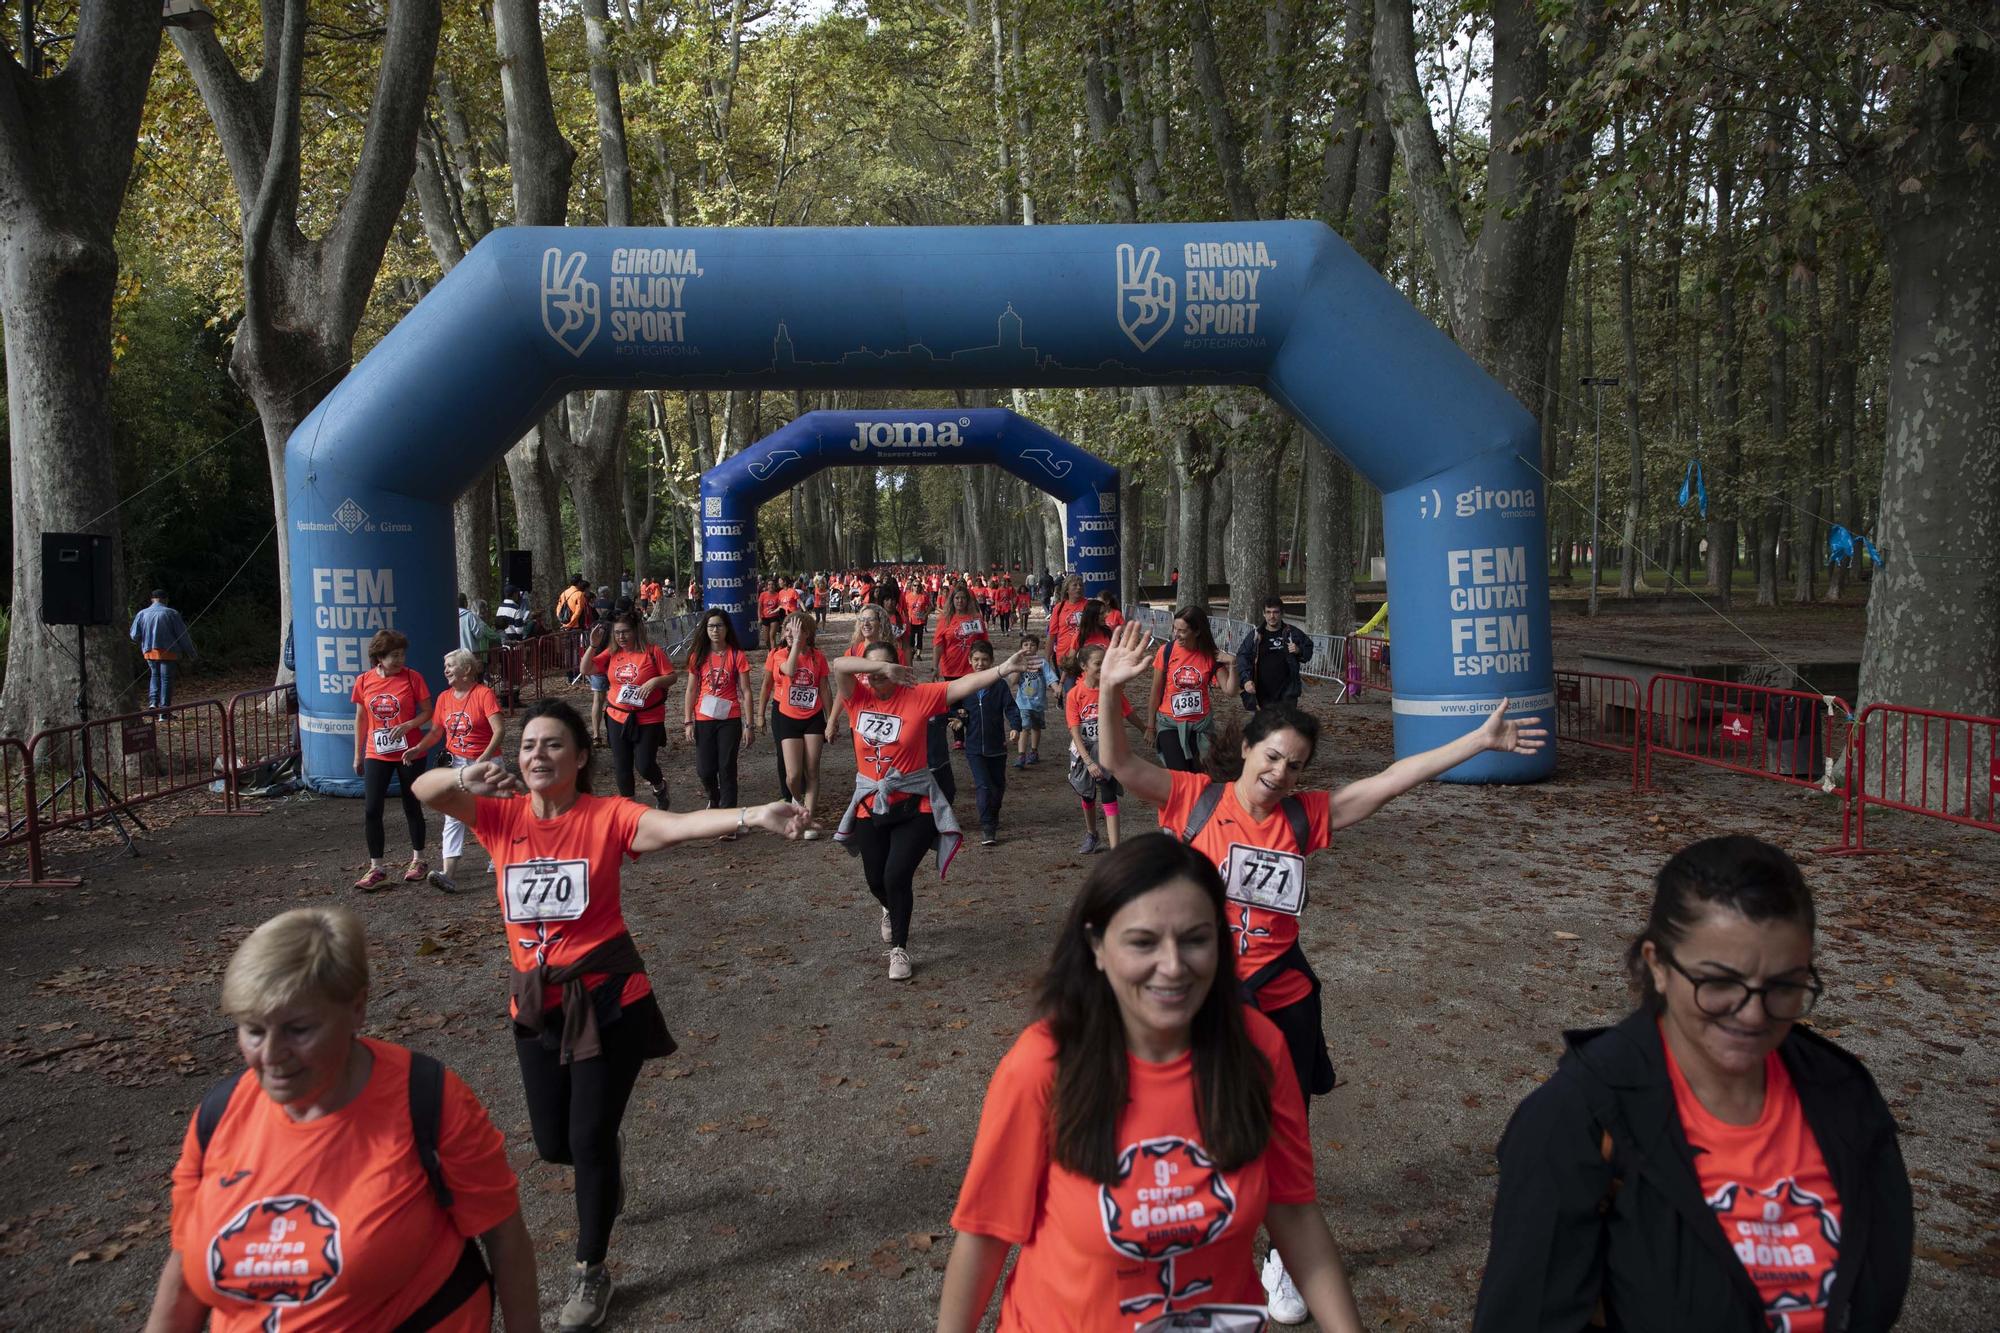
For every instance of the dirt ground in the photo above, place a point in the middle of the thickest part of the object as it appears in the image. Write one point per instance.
(795, 1165)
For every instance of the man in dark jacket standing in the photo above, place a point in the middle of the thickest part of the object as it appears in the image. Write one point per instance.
(1269, 659)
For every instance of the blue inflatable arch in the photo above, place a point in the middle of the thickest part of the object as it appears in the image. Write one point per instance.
(534, 313)
(731, 492)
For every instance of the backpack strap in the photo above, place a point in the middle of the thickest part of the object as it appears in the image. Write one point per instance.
(426, 1117)
(213, 1103)
(1295, 815)
(1204, 810)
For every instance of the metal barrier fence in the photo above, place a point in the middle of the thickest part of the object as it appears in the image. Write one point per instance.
(1603, 712)
(1923, 762)
(17, 800)
(112, 764)
(1367, 664)
(1785, 735)
(263, 729)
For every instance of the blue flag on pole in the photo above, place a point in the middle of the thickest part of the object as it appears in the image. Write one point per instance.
(1840, 546)
(1692, 483)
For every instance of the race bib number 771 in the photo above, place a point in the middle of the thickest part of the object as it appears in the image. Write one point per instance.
(546, 890)
(1262, 878)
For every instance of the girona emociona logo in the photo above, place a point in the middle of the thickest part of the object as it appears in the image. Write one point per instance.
(1146, 297)
(283, 1250)
(1168, 1198)
(572, 305)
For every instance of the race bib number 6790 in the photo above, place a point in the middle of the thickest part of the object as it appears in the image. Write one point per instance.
(546, 890)
(1262, 878)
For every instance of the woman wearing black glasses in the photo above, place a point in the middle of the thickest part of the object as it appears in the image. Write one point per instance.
(1708, 1163)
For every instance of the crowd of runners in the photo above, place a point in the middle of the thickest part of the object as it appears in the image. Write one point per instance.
(1706, 1164)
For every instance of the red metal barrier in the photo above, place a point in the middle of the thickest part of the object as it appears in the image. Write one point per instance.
(1923, 762)
(22, 827)
(1367, 664)
(1786, 735)
(112, 764)
(263, 729)
(1604, 712)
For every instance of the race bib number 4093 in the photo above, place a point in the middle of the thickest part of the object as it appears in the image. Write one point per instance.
(1273, 881)
(546, 890)
(388, 740)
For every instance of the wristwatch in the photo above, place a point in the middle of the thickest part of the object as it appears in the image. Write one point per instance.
(742, 819)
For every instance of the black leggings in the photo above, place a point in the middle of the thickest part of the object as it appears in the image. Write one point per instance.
(1172, 757)
(716, 741)
(575, 1110)
(375, 776)
(937, 751)
(889, 857)
(635, 746)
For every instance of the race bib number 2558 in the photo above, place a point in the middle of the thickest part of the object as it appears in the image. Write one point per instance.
(546, 890)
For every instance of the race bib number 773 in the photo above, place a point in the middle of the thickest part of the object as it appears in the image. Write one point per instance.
(878, 729)
(546, 890)
(1272, 881)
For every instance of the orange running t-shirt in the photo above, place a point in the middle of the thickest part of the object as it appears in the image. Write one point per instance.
(1771, 1193)
(1064, 621)
(330, 1224)
(557, 881)
(626, 672)
(1080, 707)
(1113, 617)
(717, 697)
(388, 701)
(1260, 865)
(955, 635)
(1187, 673)
(889, 733)
(1109, 1258)
(467, 723)
(800, 692)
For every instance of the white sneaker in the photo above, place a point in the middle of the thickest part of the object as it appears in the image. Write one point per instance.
(888, 934)
(1286, 1305)
(899, 970)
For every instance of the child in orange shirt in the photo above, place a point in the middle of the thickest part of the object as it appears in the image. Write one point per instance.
(1087, 777)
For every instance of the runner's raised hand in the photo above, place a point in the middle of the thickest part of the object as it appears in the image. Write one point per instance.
(489, 778)
(1516, 736)
(1126, 657)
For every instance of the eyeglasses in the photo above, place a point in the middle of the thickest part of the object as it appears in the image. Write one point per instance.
(1722, 997)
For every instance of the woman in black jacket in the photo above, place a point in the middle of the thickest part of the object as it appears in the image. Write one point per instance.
(1706, 1164)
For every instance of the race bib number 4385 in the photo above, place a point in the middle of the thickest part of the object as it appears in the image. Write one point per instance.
(546, 890)
(1273, 881)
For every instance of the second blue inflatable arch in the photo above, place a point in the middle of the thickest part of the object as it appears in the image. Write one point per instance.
(731, 492)
(534, 313)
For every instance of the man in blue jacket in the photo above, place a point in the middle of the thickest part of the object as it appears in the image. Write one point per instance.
(990, 720)
(163, 641)
(1269, 659)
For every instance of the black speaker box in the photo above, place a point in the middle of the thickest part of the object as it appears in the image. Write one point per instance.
(76, 579)
(517, 568)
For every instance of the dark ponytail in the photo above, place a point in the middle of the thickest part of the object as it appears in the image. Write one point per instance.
(1744, 874)
(1224, 761)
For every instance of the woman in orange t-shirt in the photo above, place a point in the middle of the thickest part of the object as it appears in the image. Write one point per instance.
(958, 625)
(1709, 1162)
(1136, 1136)
(636, 676)
(1252, 835)
(468, 721)
(392, 710)
(1188, 673)
(712, 711)
(797, 681)
(899, 809)
(1064, 618)
(584, 1016)
(300, 1202)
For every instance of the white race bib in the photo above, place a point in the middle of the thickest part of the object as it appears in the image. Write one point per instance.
(387, 740)
(1185, 703)
(803, 696)
(631, 696)
(878, 729)
(1272, 881)
(1210, 1319)
(1089, 729)
(546, 890)
(714, 706)
(970, 629)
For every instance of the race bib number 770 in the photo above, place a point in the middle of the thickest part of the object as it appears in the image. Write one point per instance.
(1272, 881)
(546, 890)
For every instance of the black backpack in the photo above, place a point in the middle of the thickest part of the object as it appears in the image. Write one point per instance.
(426, 1114)
(1211, 796)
